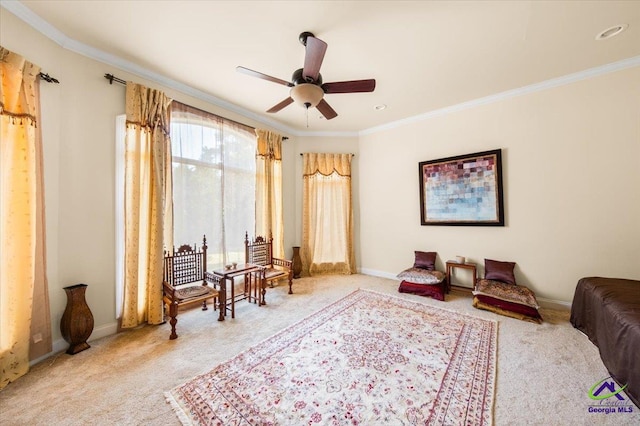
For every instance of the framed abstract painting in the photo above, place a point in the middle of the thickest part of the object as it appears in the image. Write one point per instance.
(462, 190)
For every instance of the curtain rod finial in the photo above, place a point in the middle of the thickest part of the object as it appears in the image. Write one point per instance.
(113, 78)
(48, 78)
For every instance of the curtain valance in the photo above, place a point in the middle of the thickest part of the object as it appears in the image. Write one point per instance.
(269, 144)
(18, 77)
(327, 164)
(147, 108)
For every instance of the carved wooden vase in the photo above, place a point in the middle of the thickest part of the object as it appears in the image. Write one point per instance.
(297, 263)
(76, 324)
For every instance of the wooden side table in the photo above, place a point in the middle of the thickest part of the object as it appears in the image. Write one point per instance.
(250, 272)
(451, 265)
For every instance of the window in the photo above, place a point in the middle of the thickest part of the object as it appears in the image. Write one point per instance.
(331, 242)
(327, 214)
(213, 182)
(121, 123)
(213, 186)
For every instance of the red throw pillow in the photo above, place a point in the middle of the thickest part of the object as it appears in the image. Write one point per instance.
(425, 260)
(435, 291)
(499, 271)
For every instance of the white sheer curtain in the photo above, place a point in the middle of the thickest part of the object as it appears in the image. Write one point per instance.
(327, 215)
(214, 186)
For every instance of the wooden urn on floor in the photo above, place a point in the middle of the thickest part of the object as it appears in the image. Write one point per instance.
(297, 263)
(76, 324)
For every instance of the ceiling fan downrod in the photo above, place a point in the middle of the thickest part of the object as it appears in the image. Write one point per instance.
(303, 37)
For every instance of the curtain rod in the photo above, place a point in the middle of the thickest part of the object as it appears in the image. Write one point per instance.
(207, 112)
(113, 78)
(302, 153)
(48, 78)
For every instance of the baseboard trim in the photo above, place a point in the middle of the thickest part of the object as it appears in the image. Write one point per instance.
(61, 345)
(375, 273)
(542, 301)
(554, 304)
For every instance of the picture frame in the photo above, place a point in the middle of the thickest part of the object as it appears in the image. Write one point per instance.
(465, 190)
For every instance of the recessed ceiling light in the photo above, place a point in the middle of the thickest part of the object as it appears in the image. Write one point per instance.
(611, 32)
(380, 107)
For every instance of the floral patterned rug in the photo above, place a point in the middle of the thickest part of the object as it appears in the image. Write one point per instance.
(368, 359)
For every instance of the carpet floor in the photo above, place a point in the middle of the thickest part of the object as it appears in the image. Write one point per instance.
(367, 359)
(544, 372)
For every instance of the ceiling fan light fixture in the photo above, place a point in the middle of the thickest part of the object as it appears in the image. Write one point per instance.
(306, 94)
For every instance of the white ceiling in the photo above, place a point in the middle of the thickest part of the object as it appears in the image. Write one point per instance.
(424, 55)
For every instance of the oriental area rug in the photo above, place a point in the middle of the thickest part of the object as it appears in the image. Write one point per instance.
(367, 359)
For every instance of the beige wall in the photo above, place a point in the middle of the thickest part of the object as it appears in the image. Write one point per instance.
(78, 127)
(570, 170)
(571, 165)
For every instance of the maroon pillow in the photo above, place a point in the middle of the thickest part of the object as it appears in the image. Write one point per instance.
(499, 271)
(435, 291)
(522, 312)
(425, 260)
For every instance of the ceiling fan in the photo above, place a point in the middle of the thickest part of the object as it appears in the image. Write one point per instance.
(306, 84)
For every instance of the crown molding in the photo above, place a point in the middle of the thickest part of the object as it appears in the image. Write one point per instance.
(48, 30)
(28, 16)
(526, 90)
(329, 134)
(35, 21)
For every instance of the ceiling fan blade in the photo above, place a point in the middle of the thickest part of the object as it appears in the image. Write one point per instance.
(326, 110)
(263, 76)
(313, 57)
(281, 105)
(354, 86)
